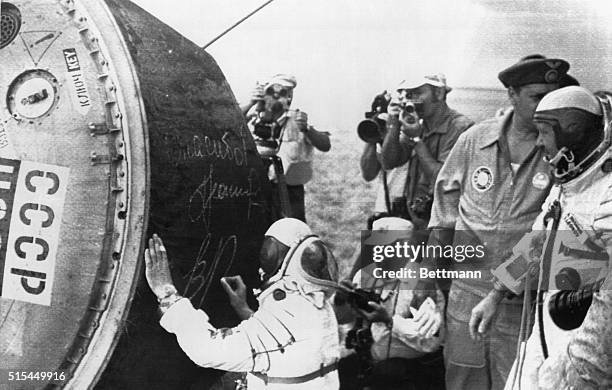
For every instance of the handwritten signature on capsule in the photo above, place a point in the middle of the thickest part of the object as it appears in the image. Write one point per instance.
(200, 277)
(200, 147)
(199, 207)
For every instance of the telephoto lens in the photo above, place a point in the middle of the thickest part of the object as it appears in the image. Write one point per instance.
(568, 308)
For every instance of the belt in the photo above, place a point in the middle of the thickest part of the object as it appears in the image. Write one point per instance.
(324, 370)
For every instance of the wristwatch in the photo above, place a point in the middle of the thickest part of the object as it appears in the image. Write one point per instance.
(170, 297)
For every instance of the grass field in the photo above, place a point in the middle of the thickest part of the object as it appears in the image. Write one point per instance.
(339, 201)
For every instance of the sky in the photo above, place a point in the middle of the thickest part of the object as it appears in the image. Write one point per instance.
(343, 52)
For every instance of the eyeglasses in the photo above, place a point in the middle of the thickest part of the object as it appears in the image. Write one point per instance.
(279, 90)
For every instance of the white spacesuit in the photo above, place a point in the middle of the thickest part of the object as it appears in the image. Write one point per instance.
(291, 341)
(574, 250)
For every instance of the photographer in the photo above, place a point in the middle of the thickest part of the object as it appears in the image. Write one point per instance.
(396, 335)
(390, 191)
(277, 129)
(421, 129)
(574, 134)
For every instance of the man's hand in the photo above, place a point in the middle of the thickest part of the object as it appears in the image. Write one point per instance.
(157, 268)
(257, 94)
(236, 291)
(301, 119)
(411, 125)
(378, 313)
(394, 108)
(483, 314)
(428, 318)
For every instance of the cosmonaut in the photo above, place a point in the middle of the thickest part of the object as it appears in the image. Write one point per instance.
(291, 341)
(570, 245)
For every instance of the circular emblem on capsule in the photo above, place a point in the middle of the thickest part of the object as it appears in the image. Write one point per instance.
(482, 179)
(540, 180)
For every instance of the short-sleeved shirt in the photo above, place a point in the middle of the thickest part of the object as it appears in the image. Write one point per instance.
(439, 137)
(296, 152)
(479, 196)
(396, 184)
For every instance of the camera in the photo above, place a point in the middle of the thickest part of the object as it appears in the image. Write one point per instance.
(568, 308)
(372, 129)
(267, 130)
(410, 111)
(357, 297)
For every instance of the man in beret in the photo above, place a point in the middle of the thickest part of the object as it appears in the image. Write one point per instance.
(489, 192)
(279, 130)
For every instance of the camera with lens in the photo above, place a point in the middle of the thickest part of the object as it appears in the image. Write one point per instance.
(372, 129)
(358, 297)
(568, 308)
(267, 130)
(410, 110)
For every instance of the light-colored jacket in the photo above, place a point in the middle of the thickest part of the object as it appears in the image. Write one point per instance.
(287, 337)
(588, 200)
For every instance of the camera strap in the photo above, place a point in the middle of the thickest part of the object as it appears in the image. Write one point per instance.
(386, 189)
(414, 173)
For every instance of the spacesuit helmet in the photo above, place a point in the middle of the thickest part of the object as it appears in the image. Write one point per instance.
(291, 249)
(573, 126)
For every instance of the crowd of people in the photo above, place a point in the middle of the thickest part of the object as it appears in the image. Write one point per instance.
(532, 185)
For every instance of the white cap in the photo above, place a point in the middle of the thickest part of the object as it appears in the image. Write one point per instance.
(286, 80)
(570, 97)
(436, 80)
(389, 229)
(392, 223)
(289, 231)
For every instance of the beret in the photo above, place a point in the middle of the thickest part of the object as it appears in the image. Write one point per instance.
(535, 69)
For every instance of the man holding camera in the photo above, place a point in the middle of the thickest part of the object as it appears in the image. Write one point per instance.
(279, 130)
(396, 336)
(421, 129)
(573, 253)
(489, 192)
(390, 198)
